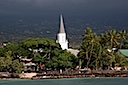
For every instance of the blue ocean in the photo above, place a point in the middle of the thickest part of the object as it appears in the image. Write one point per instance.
(72, 81)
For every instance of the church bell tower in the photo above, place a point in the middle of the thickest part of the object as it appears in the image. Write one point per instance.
(61, 36)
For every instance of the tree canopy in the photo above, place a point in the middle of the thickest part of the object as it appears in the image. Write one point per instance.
(96, 52)
(101, 51)
(43, 51)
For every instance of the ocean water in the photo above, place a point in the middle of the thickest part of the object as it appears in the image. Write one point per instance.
(72, 81)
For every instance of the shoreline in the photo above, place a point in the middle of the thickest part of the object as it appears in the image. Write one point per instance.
(91, 74)
(2, 79)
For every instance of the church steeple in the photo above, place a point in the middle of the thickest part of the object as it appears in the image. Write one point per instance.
(61, 36)
(62, 30)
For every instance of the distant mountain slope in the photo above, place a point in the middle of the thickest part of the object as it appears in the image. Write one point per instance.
(15, 29)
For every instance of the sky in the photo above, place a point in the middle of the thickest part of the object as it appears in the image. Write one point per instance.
(38, 7)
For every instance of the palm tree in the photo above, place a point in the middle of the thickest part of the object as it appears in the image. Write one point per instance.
(90, 40)
(120, 60)
(98, 59)
(112, 38)
(123, 37)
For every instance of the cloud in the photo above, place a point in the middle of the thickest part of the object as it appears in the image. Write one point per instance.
(73, 6)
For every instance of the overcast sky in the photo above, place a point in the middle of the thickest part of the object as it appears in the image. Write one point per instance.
(65, 6)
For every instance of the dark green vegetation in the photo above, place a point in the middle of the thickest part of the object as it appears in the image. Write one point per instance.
(42, 51)
(96, 52)
(101, 51)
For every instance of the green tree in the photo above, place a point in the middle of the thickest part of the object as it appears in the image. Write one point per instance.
(8, 64)
(125, 45)
(112, 38)
(120, 60)
(61, 59)
(17, 66)
(39, 60)
(90, 40)
(123, 37)
(97, 61)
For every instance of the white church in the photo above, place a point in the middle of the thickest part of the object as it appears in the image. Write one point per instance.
(62, 38)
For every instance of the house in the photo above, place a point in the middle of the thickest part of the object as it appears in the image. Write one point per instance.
(29, 66)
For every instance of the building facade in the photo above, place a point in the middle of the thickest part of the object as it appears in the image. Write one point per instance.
(61, 36)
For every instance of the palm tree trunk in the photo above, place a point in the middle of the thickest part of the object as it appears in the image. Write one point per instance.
(88, 62)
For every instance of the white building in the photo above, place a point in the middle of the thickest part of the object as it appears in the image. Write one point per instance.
(61, 36)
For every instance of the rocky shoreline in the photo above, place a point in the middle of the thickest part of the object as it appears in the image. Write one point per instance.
(82, 75)
(6, 75)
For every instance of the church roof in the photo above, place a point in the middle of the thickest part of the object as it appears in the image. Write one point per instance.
(62, 30)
